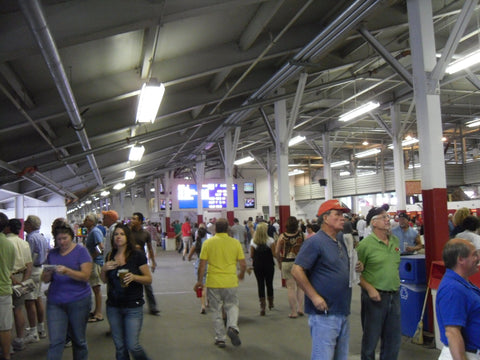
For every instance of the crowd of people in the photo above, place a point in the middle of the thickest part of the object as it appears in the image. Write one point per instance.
(320, 262)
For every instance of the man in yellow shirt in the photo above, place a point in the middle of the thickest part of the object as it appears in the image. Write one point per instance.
(222, 253)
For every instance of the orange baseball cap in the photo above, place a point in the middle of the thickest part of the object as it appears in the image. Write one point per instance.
(332, 205)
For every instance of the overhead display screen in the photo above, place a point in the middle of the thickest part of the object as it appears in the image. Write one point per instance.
(214, 196)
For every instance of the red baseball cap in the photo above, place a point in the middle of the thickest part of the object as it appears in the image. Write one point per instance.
(332, 205)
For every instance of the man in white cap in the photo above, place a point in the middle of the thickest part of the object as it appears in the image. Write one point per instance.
(380, 300)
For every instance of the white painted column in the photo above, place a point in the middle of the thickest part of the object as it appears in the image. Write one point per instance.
(429, 125)
(19, 206)
(271, 184)
(327, 170)
(228, 164)
(398, 162)
(200, 174)
(280, 110)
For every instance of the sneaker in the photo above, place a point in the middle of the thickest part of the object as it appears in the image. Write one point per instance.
(68, 343)
(220, 343)
(233, 335)
(42, 334)
(18, 344)
(31, 338)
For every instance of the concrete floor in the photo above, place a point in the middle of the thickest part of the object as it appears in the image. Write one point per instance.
(181, 332)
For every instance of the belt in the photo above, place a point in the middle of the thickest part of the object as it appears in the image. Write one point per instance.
(37, 265)
(18, 272)
(473, 351)
(387, 292)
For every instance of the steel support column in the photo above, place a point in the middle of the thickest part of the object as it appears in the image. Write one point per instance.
(398, 164)
(200, 173)
(282, 161)
(429, 127)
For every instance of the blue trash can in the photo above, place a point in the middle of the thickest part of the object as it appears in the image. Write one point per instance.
(411, 303)
(412, 269)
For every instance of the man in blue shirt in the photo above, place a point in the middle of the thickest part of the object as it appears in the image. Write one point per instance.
(39, 247)
(409, 238)
(458, 302)
(321, 269)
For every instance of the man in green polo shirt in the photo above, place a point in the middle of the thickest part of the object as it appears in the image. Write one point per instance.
(380, 254)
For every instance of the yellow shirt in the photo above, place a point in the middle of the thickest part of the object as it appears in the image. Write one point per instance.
(222, 253)
(23, 256)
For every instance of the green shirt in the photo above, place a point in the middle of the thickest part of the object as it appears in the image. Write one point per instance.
(7, 260)
(380, 262)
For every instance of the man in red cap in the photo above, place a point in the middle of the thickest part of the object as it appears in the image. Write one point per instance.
(110, 219)
(380, 300)
(322, 270)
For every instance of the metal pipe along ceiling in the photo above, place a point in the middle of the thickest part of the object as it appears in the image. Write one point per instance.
(36, 20)
(345, 22)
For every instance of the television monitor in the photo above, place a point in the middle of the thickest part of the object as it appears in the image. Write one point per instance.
(249, 203)
(162, 204)
(214, 196)
(248, 188)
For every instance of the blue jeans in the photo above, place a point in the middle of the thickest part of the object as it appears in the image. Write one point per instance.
(381, 320)
(330, 336)
(68, 318)
(125, 324)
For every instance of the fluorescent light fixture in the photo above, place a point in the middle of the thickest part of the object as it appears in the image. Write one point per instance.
(408, 141)
(464, 62)
(105, 193)
(416, 166)
(295, 172)
(119, 186)
(344, 173)
(130, 174)
(473, 123)
(243, 160)
(365, 143)
(295, 140)
(352, 114)
(366, 173)
(152, 189)
(136, 153)
(367, 153)
(339, 163)
(151, 96)
(88, 202)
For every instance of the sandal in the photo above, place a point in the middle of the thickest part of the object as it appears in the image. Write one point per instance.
(220, 343)
(95, 319)
(292, 316)
(300, 313)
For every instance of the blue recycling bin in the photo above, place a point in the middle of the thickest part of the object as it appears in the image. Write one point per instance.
(411, 303)
(412, 269)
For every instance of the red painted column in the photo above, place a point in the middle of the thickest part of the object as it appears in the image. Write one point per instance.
(435, 224)
(199, 219)
(167, 224)
(284, 211)
(230, 217)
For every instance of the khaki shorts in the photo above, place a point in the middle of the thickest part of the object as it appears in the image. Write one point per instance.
(95, 275)
(287, 269)
(18, 301)
(35, 276)
(6, 313)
